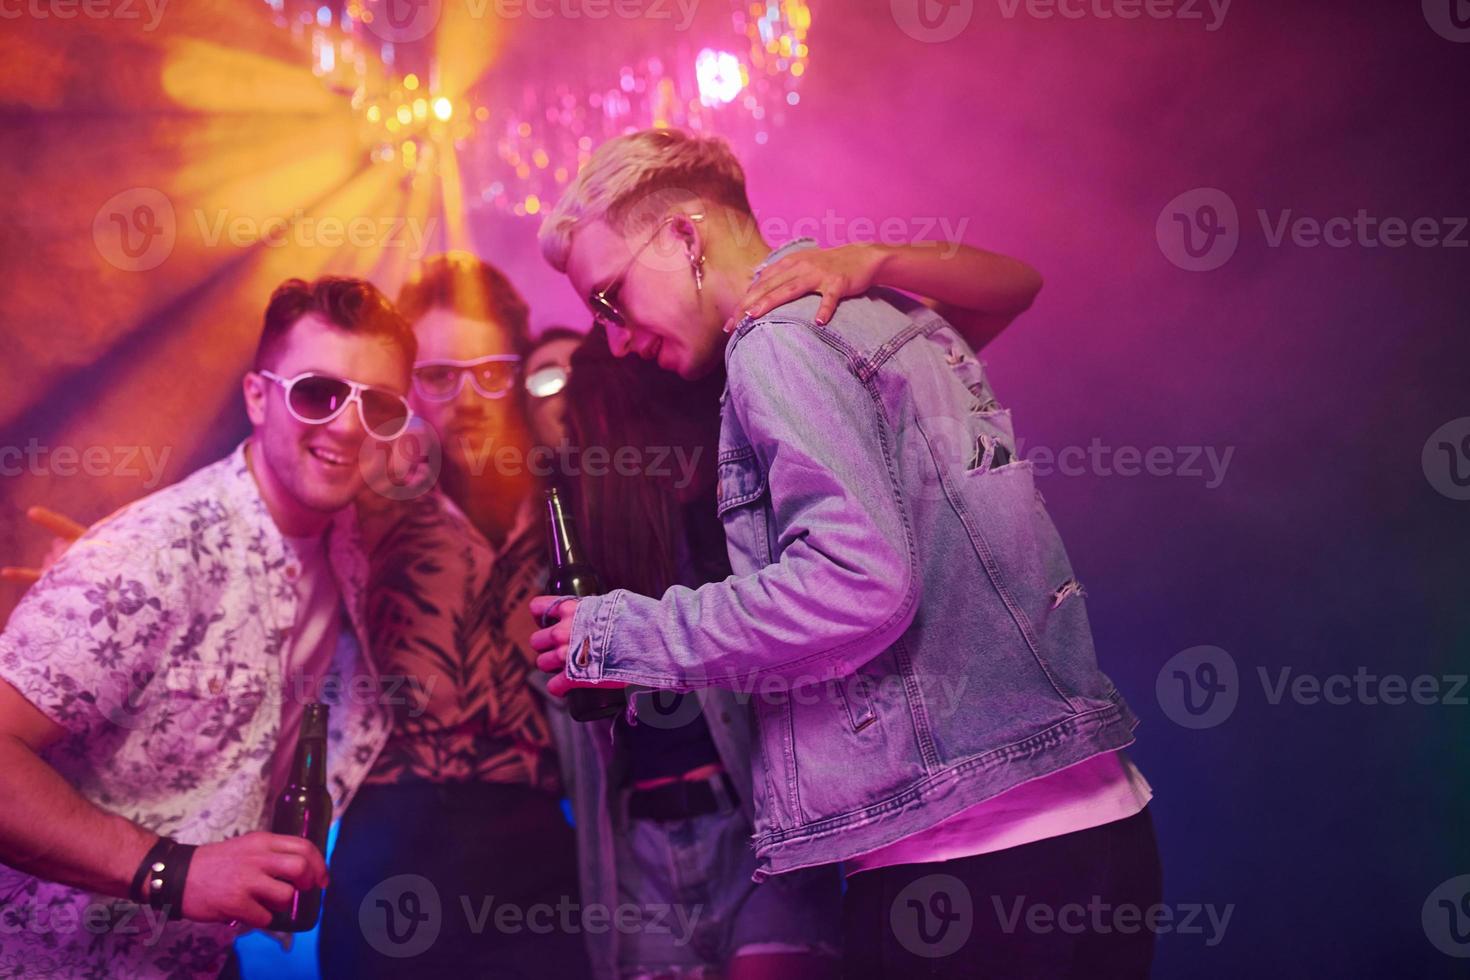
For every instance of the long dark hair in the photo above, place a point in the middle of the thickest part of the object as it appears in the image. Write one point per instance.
(636, 526)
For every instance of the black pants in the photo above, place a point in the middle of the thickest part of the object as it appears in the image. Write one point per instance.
(1073, 907)
(453, 879)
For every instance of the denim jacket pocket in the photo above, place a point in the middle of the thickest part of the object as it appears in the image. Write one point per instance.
(741, 479)
(743, 497)
(856, 692)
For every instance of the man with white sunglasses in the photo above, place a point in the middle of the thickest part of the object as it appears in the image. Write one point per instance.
(152, 683)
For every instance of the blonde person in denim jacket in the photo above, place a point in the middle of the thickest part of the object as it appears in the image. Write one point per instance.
(929, 709)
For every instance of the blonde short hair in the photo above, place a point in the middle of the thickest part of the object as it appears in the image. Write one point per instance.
(642, 176)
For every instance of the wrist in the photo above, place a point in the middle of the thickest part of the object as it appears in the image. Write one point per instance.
(879, 258)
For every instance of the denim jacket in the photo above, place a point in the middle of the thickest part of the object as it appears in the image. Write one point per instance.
(903, 613)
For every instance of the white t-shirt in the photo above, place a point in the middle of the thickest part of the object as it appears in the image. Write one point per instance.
(1093, 792)
(308, 654)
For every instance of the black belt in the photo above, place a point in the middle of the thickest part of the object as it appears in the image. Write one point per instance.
(684, 799)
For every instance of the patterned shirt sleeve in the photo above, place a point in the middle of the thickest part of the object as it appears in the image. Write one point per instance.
(87, 639)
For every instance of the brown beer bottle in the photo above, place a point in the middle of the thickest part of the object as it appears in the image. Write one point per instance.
(304, 809)
(571, 575)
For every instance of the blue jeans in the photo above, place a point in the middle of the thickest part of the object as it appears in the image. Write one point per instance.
(697, 907)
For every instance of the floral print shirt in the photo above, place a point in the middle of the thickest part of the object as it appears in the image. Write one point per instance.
(156, 643)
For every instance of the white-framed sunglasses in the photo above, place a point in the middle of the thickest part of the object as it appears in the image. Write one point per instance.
(316, 399)
(492, 376)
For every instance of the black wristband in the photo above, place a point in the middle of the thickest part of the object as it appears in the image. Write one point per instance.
(163, 872)
(170, 898)
(157, 854)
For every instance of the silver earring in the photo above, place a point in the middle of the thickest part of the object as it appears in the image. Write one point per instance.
(698, 267)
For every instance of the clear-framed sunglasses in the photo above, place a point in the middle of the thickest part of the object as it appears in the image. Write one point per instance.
(492, 376)
(316, 399)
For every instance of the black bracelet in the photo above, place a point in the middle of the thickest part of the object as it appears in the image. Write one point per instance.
(169, 899)
(164, 872)
(157, 855)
